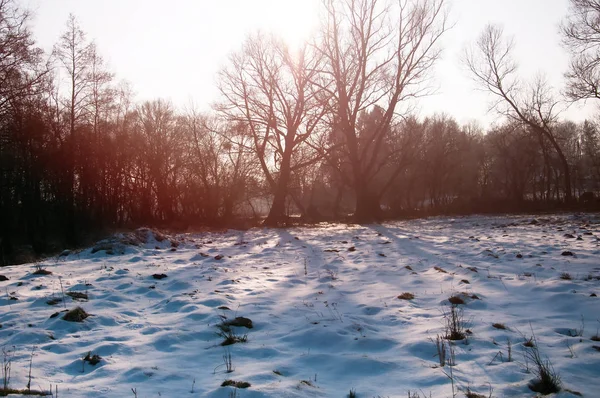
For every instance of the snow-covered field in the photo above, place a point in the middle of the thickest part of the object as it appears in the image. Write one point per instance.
(325, 311)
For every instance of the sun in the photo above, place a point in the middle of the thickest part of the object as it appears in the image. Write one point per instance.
(293, 20)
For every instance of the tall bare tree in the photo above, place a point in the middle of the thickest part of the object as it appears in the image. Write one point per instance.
(161, 139)
(267, 88)
(22, 71)
(73, 53)
(22, 78)
(377, 54)
(533, 105)
(581, 36)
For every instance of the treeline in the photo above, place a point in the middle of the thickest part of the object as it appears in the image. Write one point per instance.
(321, 132)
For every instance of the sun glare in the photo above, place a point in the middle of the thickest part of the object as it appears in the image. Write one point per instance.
(293, 20)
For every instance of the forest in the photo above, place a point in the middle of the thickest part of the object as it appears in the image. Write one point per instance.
(324, 132)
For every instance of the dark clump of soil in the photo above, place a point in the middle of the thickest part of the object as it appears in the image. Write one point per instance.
(472, 394)
(406, 296)
(529, 343)
(42, 271)
(56, 314)
(92, 359)
(3, 278)
(159, 276)
(77, 295)
(53, 301)
(240, 321)
(544, 387)
(77, 314)
(236, 384)
(27, 391)
(456, 300)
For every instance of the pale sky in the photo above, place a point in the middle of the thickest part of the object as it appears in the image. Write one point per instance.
(172, 49)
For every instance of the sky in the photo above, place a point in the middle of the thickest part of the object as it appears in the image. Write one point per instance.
(173, 49)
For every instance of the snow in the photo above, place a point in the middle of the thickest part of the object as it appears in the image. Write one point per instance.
(326, 317)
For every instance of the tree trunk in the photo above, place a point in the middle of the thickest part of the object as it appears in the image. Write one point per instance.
(277, 214)
(567, 177)
(563, 160)
(368, 209)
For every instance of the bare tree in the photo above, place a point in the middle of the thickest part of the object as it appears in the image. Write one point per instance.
(581, 36)
(533, 105)
(100, 105)
(22, 71)
(377, 54)
(220, 163)
(100, 92)
(162, 159)
(513, 154)
(73, 53)
(267, 88)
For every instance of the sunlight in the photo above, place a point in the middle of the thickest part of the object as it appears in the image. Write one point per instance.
(250, 194)
(293, 20)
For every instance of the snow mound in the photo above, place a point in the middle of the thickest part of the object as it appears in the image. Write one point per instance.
(142, 237)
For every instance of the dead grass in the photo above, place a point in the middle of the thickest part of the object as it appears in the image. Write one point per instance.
(548, 380)
(41, 271)
(566, 276)
(455, 324)
(92, 359)
(230, 337)
(473, 394)
(406, 296)
(12, 391)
